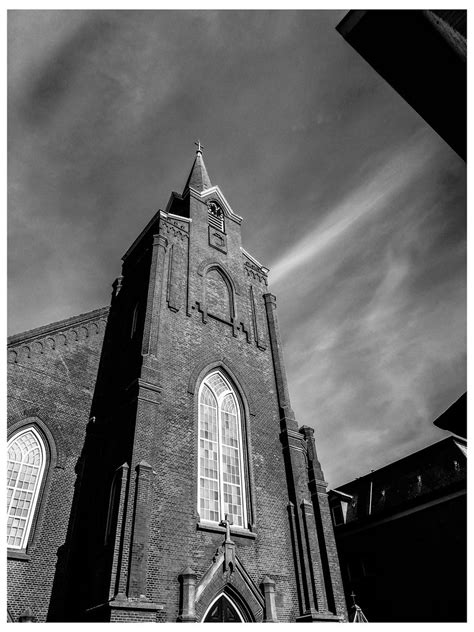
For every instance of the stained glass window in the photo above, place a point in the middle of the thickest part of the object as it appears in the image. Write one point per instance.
(26, 461)
(221, 486)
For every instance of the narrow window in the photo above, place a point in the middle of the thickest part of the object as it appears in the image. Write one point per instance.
(221, 472)
(26, 464)
(133, 328)
(111, 511)
(215, 216)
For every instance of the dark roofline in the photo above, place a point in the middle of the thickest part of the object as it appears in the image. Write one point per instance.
(451, 439)
(142, 234)
(454, 418)
(337, 492)
(60, 325)
(348, 22)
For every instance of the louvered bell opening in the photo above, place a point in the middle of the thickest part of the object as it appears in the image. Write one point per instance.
(215, 216)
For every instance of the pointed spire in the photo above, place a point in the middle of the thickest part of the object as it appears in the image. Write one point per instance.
(198, 178)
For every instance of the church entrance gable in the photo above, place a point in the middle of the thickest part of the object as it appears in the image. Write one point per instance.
(220, 580)
(235, 585)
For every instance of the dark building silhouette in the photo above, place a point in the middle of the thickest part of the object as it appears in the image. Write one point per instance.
(454, 418)
(422, 55)
(156, 469)
(401, 537)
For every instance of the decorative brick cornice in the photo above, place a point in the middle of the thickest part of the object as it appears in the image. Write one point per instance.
(254, 268)
(67, 333)
(254, 261)
(253, 272)
(176, 228)
(58, 326)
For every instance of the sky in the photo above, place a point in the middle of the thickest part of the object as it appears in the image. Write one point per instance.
(354, 203)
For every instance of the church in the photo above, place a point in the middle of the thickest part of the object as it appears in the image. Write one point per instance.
(156, 471)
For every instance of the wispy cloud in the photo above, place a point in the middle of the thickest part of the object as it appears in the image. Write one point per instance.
(373, 315)
(371, 196)
(355, 204)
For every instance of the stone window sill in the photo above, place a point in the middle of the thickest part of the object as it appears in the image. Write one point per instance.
(234, 531)
(18, 554)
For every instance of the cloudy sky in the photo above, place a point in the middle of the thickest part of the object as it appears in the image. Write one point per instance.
(356, 205)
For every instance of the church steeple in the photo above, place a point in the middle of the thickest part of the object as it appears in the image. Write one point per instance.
(198, 178)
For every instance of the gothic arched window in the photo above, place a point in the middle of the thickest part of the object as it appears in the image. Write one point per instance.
(26, 465)
(221, 476)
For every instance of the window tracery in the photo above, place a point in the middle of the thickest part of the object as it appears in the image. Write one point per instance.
(25, 469)
(221, 472)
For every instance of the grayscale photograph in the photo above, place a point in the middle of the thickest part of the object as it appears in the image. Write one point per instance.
(236, 316)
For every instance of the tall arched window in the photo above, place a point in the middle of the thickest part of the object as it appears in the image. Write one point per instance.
(221, 469)
(26, 464)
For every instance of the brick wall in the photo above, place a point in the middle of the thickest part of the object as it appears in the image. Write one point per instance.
(51, 378)
(192, 324)
(187, 345)
(201, 307)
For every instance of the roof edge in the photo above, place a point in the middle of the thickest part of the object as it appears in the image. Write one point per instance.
(349, 21)
(141, 235)
(253, 260)
(451, 439)
(56, 326)
(339, 493)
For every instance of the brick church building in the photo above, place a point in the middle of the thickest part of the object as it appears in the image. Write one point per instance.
(156, 471)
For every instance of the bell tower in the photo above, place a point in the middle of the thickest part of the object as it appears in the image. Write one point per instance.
(198, 497)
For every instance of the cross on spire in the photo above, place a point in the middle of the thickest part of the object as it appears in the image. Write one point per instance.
(198, 179)
(353, 597)
(199, 147)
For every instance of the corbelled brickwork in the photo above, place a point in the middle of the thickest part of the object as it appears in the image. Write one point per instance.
(190, 300)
